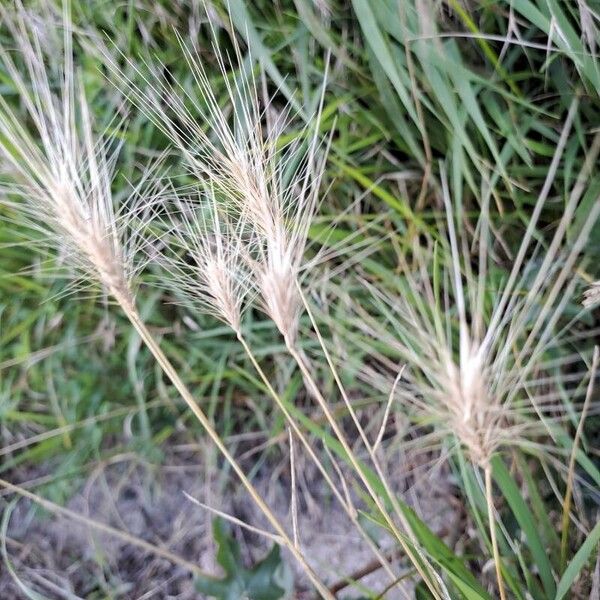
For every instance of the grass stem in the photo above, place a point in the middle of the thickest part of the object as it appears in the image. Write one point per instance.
(370, 448)
(492, 523)
(311, 452)
(418, 561)
(564, 539)
(173, 376)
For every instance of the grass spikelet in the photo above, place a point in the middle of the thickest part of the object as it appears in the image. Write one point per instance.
(477, 350)
(206, 259)
(63, 183)
(273, 187)
(481, 372)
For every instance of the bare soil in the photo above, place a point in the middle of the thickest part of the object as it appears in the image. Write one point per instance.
(58, 558)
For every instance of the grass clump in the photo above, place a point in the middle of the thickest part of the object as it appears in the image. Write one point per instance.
(363, 232)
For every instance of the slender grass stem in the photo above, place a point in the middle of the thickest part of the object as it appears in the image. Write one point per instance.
(564, 539)
(359, 469)
(492, 523)
(368, 446)
(318, 463)
(173, 376)
(294, 499)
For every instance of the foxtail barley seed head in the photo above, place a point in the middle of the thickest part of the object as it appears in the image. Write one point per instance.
(483, 358)
(62, 172)
(270, 186)
(474, 415)
(205, 255)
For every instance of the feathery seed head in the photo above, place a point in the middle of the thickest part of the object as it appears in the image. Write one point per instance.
(63, 172)
(483, 357)
(272, 187)
(275, 279)
(473, 414)
(206, 256)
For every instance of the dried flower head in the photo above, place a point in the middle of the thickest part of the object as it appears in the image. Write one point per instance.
(204, 256)
(483, 356)
(62, 171)
(271, 186)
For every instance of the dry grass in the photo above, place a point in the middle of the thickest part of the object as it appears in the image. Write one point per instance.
(474, 361)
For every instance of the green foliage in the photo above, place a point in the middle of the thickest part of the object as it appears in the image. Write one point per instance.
(578, 562)
(268, 579)
(480, 88)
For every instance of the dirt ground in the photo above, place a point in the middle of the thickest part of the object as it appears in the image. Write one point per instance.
(57, 557)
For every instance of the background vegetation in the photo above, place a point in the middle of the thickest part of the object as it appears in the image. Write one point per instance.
(480, 89)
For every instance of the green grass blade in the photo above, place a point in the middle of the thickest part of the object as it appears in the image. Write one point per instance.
(578, 562)
(242, 20)
(376, 39)
(526, 521)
